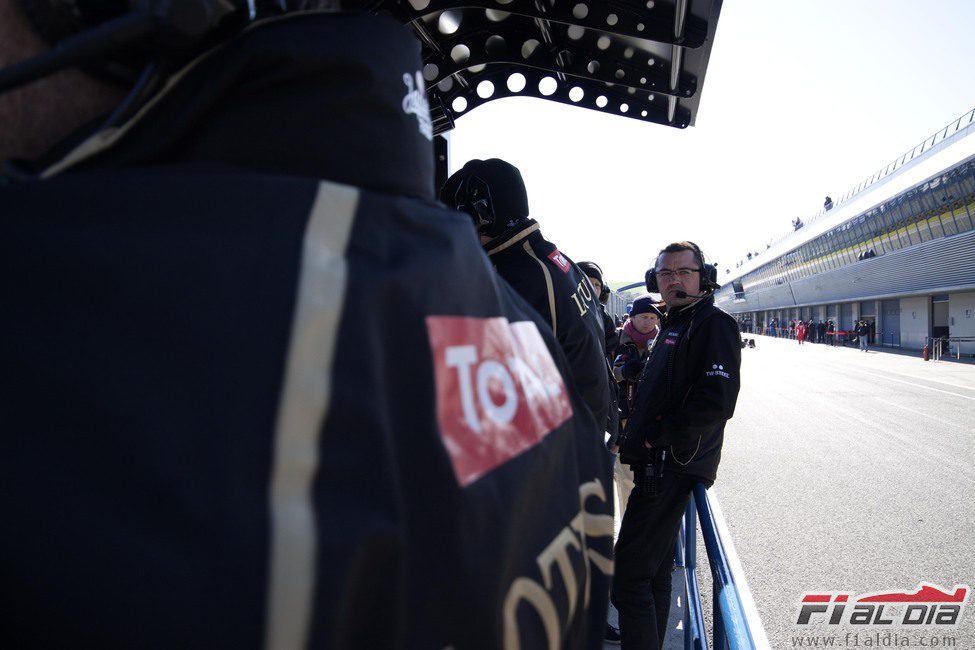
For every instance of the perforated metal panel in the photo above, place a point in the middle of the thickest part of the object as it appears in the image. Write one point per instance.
(641, 59)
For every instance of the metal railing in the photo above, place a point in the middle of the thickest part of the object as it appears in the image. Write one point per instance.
(949, 131)
(941, 345)
(737, 624)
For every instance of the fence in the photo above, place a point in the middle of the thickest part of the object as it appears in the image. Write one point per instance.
(952, 129)
(842, 337)
(941, 345)
(737, 625)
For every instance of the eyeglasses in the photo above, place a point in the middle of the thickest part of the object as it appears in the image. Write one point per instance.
(681, 274)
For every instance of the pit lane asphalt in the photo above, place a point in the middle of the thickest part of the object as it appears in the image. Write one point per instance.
(849, 471)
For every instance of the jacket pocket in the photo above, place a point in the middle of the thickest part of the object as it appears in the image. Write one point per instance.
(685, 452)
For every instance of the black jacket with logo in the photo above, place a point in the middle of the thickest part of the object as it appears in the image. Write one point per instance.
(558, 290)
(687, 391)
(190, 458)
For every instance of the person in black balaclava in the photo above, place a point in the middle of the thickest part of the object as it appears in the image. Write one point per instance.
(493, 193)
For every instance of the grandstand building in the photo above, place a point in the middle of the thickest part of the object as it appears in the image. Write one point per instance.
(897, 251)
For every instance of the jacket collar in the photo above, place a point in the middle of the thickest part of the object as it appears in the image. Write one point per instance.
(512, 236)
(689, 309)
(344, 90)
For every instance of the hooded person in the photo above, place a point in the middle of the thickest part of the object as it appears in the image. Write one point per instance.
(176, 465)
(492, 193)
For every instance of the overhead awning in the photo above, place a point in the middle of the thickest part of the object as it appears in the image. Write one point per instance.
(641, 59)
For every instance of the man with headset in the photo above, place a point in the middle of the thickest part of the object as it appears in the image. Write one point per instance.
(493, 194)
(687, 391)
(189, 233)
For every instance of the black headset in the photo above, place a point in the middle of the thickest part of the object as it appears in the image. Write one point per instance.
(473, 196)
(605, 292)
(709, 273)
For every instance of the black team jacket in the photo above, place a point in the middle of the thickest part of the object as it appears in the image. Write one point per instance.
(687, 391)
(558, 290)
(191, 459)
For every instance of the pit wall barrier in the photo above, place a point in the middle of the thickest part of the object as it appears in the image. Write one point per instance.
(736, 623)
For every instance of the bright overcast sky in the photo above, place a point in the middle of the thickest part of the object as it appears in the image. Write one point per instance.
(802, 98)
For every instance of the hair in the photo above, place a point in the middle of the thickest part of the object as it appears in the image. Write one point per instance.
(679, 246)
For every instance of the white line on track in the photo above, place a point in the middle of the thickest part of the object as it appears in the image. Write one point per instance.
(901, 406)
(937, 381)
(911, 383)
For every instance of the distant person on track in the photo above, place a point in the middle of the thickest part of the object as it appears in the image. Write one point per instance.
(687, 391)
(801, 332)
(863, 335)
(831, 332)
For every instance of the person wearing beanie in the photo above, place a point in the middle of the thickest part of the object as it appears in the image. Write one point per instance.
(635, 339)
(492, 193)
(595, 275)
(629, 352)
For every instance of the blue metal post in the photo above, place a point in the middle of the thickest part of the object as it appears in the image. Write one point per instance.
(720, 638)
(731, 628)
(695, 637)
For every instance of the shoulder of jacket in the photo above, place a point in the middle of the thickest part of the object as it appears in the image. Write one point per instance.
(537, 241)
(713, 310)
(715, 317)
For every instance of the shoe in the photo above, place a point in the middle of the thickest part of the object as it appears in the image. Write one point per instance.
(612, 634)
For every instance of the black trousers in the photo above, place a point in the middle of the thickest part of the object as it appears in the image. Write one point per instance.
(644, 559)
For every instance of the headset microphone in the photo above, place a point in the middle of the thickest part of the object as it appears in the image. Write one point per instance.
(681, 294)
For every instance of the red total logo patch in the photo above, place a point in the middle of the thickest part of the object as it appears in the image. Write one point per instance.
(498, 390)
(560, 260)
